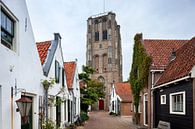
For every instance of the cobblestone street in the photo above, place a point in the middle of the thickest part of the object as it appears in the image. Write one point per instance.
(102, 120)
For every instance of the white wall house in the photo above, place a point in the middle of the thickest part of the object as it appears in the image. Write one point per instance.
(121, 99)
(114, 101)
(51, 56)
(71, 70)
(20, 66)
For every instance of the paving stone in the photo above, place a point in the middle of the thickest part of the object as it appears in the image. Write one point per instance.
(102, 120)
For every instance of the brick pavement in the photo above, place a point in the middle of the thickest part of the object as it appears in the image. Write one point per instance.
(102, 120)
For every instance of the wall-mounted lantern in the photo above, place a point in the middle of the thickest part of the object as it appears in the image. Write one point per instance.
(24, 105)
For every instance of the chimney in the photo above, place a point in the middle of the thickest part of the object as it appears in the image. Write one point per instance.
(57, 36)
(173, 55)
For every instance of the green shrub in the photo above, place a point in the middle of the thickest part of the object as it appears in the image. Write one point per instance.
(84, 116)
(49, 125)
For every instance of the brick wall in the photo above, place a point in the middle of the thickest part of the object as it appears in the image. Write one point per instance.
(126, 109)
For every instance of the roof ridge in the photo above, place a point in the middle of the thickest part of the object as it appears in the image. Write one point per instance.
(70, 62)
(168, 39)
(43, 42)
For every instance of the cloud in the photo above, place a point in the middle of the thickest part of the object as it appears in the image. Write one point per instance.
(154, 18)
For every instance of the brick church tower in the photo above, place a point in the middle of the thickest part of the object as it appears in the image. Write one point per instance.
(104, 52)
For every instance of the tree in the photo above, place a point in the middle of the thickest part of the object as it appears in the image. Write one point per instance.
(139, 72)
(93, 91)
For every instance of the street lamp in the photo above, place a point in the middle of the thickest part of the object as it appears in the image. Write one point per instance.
(24, 104)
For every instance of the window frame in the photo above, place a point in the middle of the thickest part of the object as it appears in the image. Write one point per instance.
(105, 35)
(14, 44)
(63, 80)
(161, 99)
(97, 36)
(57, 71)
(171, 103)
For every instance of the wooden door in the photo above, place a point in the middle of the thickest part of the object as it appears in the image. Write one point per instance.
(101, 104)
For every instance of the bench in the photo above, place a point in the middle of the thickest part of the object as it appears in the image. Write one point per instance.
(163, 125)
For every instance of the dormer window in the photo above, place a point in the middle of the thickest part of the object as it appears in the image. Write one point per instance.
(7, 30)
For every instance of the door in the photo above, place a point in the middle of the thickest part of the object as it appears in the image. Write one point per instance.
(28, 125)
(101, 104)
(69, 111)
(58, 111)
(145, 109)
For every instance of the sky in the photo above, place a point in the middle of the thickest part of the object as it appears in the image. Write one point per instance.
(155, 19)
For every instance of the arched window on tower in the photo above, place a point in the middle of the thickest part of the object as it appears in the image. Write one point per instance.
(101, 79)
(105, 62)
(96, 63)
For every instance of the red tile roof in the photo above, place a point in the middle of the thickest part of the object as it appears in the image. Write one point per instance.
(181, 65)
(160, 51)
(42, 48)
(124, 91)
(70, 68)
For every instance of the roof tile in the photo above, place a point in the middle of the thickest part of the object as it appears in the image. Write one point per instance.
(160, 50)
(181, 65)
(70, 68)
(124, 91)
(42, 48)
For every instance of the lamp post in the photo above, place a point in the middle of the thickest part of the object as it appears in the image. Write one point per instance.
(24, 104)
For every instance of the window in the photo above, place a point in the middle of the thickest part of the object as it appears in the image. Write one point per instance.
(177, 103)
(104, 22)
(63, 77)
(104, 35)
(101, 79)
(65, 110)
(105, 62)
(100, 46)
(110, 51)
(58, 111)
(96, 36)
(96, 62)
(57, 72)
(112, 105)
(163, 99)
(109, 24)
(109, 61)
(7, 30)
(96, 25)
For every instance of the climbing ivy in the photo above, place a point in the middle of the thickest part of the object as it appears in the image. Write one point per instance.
(139, 71)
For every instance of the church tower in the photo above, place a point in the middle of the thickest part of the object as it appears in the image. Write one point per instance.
(104, 52)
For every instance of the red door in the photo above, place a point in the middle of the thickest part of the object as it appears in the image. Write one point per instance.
(101, 104)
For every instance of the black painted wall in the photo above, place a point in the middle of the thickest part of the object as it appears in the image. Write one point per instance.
(162, 111)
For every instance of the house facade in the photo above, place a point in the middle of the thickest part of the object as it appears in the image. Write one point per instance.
(121, 99)
(160, 51)
(174, 92)
(72, 78)
(18, 56)
(51, 56)
(154, 48)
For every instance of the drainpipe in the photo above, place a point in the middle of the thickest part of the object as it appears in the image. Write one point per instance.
(46, 104)
(151, 103)
(12, 105)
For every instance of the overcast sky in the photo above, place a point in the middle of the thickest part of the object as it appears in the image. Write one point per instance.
(156, 19)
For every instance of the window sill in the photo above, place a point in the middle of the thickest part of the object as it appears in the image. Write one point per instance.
(8, 50)
(178, 113)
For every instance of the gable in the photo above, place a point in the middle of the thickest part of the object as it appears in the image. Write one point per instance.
(70, 69)
(123, 90)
